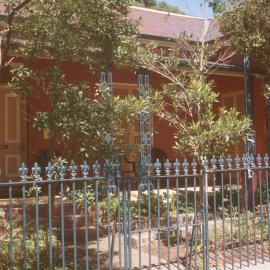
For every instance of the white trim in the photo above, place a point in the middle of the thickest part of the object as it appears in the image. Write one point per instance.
(235, 74)
(125, 84)
(18, 157)
(231, 93)
(18, 133)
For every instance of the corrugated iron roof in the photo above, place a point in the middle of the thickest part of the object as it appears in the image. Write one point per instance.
(169, 25)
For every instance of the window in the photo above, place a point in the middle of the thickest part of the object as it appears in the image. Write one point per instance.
(131, 136)
(236, 100)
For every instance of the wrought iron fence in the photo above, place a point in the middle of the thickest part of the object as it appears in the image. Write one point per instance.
(178, 215)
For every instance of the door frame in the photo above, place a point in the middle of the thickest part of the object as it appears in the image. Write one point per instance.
(22, 133)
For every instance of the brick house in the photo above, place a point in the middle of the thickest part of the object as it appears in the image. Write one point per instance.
(20, 142)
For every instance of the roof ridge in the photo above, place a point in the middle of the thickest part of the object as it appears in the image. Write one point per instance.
(172, 13)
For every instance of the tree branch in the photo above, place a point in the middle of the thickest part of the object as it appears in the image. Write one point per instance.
(10, 19)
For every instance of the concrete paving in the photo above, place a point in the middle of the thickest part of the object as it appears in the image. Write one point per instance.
(252, 266)
(156, 263)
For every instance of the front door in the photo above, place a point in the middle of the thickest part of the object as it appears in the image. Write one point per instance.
(12, 134)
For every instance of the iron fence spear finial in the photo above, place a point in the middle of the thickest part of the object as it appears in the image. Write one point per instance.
(73, 168)
(23, 171)
(167, 166)
(85, 169)
(96, 169)
(49, 170)
(177, 166)
(36, 170)
(157, 166)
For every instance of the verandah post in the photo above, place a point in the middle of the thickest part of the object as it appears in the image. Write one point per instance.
(145, 120)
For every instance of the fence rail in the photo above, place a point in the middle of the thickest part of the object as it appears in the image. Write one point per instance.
(177, 215)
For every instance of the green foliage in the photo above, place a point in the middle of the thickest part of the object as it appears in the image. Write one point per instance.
(214, 134)
(164, 6)
(246, 24)
(187, 101)
(31, 191)
(56, 162)
(19, 80)
(85, 31)
(217, 5)
(109, 206)
(160, 5)
(225, 198)
(153, 197)
(80, 195)
(147, 3)
(267, 91)
(30, 245)
(83, 118)
(184, 206)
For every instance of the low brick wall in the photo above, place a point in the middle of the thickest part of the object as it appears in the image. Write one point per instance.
(43, 217)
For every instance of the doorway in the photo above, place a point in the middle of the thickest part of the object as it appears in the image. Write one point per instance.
(12, 134)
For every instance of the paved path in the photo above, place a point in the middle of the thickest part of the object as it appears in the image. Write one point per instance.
(265, 266)
(252, 266)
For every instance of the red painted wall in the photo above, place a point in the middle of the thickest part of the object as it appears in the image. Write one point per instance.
(259, 115)
(39, 102)
(74, 73)
(163, 137)
(163, 134)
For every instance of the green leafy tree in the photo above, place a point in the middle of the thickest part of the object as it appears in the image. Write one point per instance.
(146, 3)
(6, 35)
(187, 100)
(86, 119)
(83, 117)
(246, 24)
(217, 5)
(163, 6)
(267, 91)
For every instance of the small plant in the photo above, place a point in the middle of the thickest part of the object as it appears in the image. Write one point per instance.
(80, 194)
(30, 246)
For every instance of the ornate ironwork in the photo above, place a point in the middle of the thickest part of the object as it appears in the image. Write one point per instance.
(144, 165)
(171, 205)
(145, 119)
(250, 143)
(106, 77)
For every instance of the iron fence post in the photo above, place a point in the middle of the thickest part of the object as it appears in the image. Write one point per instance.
(145, 128)
(10, 248)
(204, 207)
(162, 217)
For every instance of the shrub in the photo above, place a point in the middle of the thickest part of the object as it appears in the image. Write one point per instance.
(30, 245)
